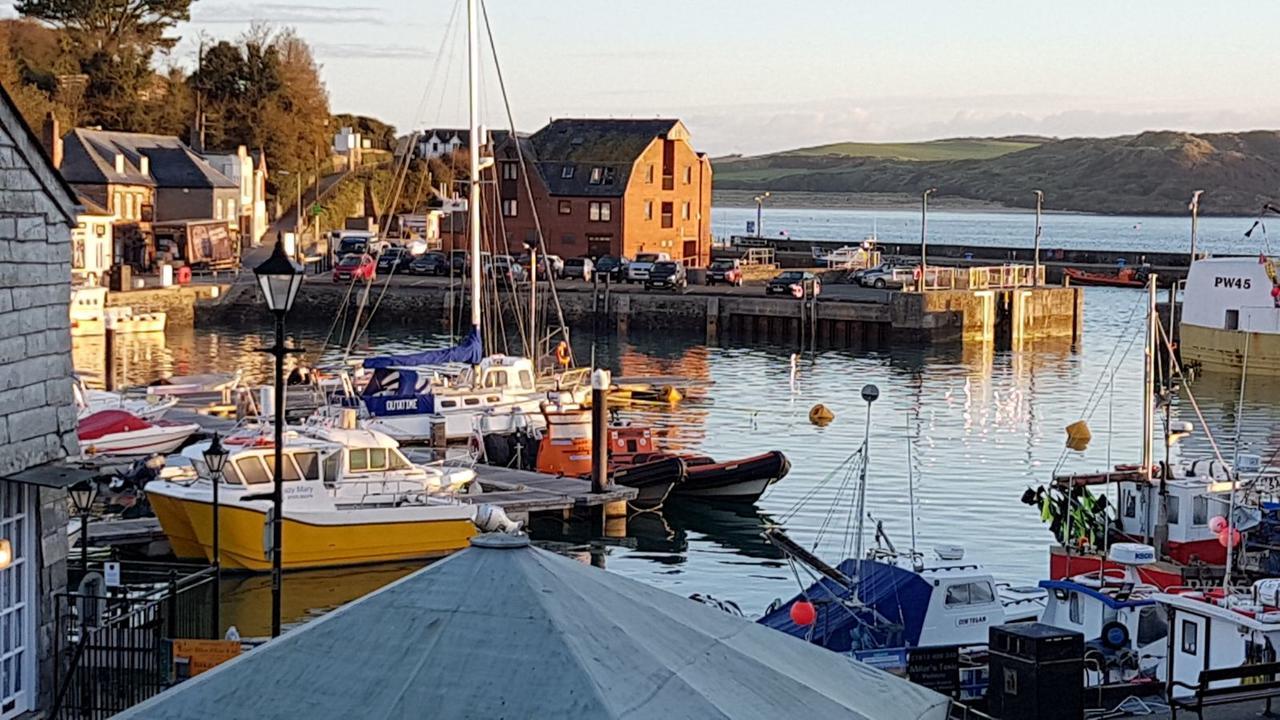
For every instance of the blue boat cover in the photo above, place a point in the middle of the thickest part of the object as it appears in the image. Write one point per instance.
(469, 351)
(895, 604)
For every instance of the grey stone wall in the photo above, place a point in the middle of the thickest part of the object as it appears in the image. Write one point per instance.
(37, 416)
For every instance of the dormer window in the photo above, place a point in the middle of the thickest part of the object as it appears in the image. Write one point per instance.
(566, 172)
(597, 175)
(119, 164)
(608, 176)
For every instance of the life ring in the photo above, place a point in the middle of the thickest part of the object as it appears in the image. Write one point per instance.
(563, 356)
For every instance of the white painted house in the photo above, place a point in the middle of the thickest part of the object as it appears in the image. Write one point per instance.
(250, 173)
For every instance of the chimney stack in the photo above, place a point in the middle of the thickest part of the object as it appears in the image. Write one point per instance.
(51, 138)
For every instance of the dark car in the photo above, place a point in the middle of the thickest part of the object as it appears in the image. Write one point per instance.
(724, 271)
(458, 264)
(394, 259)
(614, 268)
(431, 263)
(667, 274)
(792, 282)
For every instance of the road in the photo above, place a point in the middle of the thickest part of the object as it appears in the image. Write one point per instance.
(285, 223)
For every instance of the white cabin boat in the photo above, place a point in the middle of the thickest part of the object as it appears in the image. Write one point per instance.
(1215, 628)
(1229, 299)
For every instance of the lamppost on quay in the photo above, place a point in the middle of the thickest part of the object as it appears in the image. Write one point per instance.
(924, 225)
(760, 211)
(278, 278)
(1194, 207)
(1035, 280)
(83, 495)
(215, 459)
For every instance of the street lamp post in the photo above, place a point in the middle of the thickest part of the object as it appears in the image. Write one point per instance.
(759, 212)
(215, 459)
(1194, 207)
(83, 495)
(924, 225)
(1035, 280)
(278, 278)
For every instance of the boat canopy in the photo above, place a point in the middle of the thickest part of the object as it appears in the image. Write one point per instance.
(109, 422)
(469, 351)
(894, 604)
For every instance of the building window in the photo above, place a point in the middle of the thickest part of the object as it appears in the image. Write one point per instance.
(567, 239)
(509, 208)
(600, 211)
(597, 175)
(648, 209)
(118, 206)
(509, 170)
(566, 172)
(688, 175)
(18, 606)
(648, 174)
(684, 211)
(566, 207)
(667, 220)
(217, 209)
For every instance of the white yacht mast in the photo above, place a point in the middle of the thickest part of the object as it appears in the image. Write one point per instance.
(1148, 400)
(473, 147)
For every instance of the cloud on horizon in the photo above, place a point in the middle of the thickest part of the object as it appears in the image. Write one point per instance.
(286, 14)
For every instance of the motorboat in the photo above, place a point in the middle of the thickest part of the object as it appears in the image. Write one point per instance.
(743, 480)
(88, 402)
(206, 383)
(350, 497)
(90, 315)
(1230, 312)
(120, 433)
(1130, 277)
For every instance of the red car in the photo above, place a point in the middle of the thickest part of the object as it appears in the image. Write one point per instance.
(354, 267)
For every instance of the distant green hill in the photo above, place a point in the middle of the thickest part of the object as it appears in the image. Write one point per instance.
(1149, 173)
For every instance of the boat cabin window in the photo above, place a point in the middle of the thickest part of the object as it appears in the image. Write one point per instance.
(471, 401)
(495, 379)
(526, 379)
(288, 471)
(308, 464)
(978, 593)
(448, 403)
(358, 460)
(331, 469)
(1130, 505)
(1175, 508)
(1200, 511)
(1233, 320)
(1073, 609)
(1151, 625)
(1190, 637)
(252, 470)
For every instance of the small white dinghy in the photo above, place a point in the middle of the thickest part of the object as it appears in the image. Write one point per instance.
(121, 433)
(194, 384)
(150, 408)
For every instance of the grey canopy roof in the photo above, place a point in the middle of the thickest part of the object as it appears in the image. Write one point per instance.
(518, 632)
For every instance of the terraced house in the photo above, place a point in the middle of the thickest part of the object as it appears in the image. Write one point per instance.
(602, 187)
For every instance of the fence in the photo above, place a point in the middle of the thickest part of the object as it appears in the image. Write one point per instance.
(939, 277)
(113, 645)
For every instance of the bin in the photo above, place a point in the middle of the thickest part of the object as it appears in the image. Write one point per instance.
(166, 275)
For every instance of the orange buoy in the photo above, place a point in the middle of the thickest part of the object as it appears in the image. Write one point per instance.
(820, 415)
(803, 613)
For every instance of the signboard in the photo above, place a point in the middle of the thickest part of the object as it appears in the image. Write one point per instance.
(111, 571)
(891, 660)
(316, 209)
(751, 227)
(937, 668)
(192, 657)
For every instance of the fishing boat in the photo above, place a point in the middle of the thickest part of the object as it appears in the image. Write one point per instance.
(120, 433)
(1230, 312)
(1220, 628)
(1124, 277)
(91, 316)
(351, 497)
(88, 402)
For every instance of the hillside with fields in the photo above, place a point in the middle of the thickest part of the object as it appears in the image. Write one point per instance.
(1150, 173)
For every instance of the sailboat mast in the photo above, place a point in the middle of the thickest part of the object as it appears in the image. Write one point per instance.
(1148, 399)
(473, 148)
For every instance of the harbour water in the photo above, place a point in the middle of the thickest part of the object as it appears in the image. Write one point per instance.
(982, 426)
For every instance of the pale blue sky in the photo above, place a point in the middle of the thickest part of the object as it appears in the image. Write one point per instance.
(751, 76)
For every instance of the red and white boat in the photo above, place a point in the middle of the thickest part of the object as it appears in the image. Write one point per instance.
(121, 433)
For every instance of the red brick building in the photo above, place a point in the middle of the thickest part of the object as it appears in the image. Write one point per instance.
(602, 187)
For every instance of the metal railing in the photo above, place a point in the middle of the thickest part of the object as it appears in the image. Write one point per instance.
(113, 648)
(989, 277)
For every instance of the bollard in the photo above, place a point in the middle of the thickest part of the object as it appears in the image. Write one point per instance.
(600, 431)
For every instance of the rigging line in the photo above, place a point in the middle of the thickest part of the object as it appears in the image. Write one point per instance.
(817, 488)
(524, 170)
(1217, 452)
(450, 30)
(1235, 459)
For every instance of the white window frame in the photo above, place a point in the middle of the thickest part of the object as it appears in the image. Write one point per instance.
(510, 208)
(18, 666)
(510, 170)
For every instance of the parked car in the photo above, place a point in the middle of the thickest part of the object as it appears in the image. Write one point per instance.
(486, 261)
(792, 282)
(580, 268)
(394, 259)
(506, 270)
(458, 262)
(614, 268)
(728, 272)
(548, 265)
(880, 276)
(430, 263)
(638, 270)
(667, 274)
(355, 266)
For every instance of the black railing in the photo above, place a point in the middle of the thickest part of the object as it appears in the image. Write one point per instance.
(114, 645)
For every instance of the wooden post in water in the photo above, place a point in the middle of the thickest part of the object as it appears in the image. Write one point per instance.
(109, 358)
(600, 431)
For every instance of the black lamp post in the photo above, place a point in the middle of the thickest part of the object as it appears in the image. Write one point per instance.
(83, 494)
(278, 278)
(215, 459)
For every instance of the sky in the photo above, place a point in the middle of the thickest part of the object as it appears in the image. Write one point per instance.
(753, 76)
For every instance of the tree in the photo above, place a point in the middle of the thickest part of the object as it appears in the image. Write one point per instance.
(96, 25)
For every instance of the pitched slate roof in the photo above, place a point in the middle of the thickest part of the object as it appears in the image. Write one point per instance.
(505, 630)
(584, 144)
(88, 158)
(29, 148)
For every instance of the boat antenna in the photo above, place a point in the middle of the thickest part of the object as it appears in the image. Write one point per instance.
(911, 489)
(1235, 463)
(869, 394)
(1106, 518)
(1148, 411)
(473, 149)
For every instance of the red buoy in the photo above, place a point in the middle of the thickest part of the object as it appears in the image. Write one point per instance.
(803, 613)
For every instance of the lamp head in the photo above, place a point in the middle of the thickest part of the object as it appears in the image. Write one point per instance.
(83, 494)
(215, 457)
(870, 393)
(278, 278)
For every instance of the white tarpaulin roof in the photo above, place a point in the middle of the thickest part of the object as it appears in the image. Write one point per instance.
(518, 632)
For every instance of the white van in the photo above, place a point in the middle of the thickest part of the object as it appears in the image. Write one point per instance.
(638, 270)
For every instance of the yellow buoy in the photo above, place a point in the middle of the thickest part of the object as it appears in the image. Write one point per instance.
(820, 415)
(1078, 436)
(670, 394)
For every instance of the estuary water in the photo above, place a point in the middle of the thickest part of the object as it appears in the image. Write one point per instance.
(964, 430)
